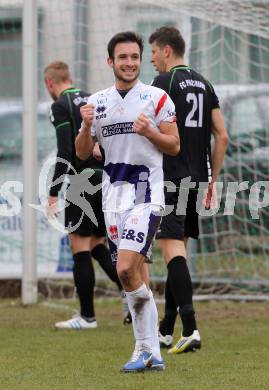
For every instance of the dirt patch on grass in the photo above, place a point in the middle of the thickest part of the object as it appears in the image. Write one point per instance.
(223, 310)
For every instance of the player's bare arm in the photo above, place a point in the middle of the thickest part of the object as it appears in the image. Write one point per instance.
(97, 152)
(221, 142)
(85, 142)
(220, 145)
(167, 140)
(52, 207)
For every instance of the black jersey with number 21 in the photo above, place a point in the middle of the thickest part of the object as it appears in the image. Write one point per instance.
(194, 99)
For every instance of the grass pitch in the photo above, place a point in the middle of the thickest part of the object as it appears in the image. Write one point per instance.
(33, 355)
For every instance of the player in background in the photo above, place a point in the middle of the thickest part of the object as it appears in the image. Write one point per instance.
(198, 116)
(86, 239)
(136, 125)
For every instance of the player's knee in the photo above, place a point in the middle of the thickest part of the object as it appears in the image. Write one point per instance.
(95, 241)
(125, 273)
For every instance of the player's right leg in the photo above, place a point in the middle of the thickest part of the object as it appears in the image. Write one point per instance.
(84, 279)
(80, 232)
(99, 250)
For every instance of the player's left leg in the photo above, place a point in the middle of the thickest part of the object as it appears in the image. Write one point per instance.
(100, 252)
(179, 282)
(178, 286)
(129, 266)
(139, 229)
(155, 345)
(167, 324)
(190, 340)
(170, 239)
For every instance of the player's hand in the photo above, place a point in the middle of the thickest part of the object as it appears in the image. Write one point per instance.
(210, 200)
(87, 114)
(97, 152)
(142, 125)
(52, 207)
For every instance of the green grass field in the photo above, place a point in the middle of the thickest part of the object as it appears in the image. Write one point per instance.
(33, 355)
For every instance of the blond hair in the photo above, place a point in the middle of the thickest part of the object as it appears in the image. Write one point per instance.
(58, 71)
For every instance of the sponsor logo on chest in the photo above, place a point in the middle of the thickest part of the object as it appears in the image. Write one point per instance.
(100, 110)
(117, 128)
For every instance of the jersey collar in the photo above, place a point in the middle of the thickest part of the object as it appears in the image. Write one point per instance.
(137, 85)
(70, 90)
(177, 67)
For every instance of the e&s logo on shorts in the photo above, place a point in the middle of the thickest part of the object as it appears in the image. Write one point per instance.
(130, 234)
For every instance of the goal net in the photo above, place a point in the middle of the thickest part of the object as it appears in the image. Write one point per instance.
(228, 42)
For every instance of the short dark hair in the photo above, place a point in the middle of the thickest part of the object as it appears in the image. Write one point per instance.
(169, 36)
(126, 36)
(58, 71)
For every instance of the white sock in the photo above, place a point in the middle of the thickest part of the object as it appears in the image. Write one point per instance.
(139, 306)
(125, 307)
(155, 345)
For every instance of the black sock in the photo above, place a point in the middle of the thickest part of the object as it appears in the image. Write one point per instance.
(84, 279)
(102, 254)
(181, 288)
(187, 315)
(168, 322)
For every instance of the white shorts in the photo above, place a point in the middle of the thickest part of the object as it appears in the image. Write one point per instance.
(133, 229)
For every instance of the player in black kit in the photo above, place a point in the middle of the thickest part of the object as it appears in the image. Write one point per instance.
(87, 240)
(198, 116)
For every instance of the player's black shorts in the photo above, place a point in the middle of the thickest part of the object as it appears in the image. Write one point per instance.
(175, 226)
(76, 219)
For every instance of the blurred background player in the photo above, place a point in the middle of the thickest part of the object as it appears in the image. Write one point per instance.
(86, 239)
(198, 116)
(134, 131)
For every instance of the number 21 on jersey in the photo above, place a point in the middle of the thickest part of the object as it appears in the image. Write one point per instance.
(197, 104)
